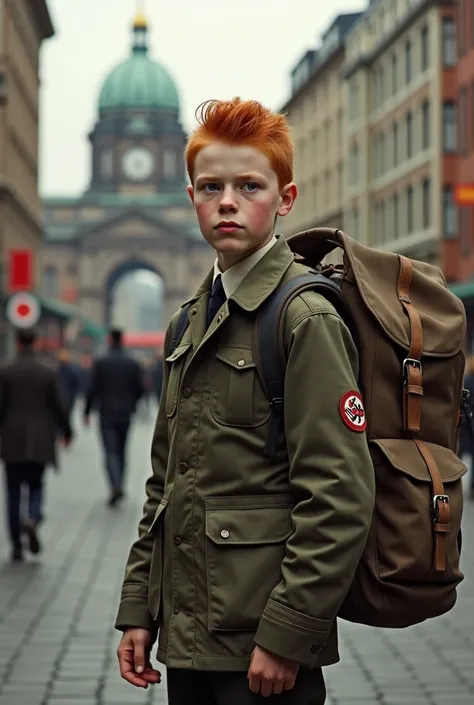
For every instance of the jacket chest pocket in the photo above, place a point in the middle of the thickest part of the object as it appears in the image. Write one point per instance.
(237, 397)
(176, 362)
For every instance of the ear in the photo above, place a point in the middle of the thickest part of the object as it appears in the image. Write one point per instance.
(190, 191)
(288, 196)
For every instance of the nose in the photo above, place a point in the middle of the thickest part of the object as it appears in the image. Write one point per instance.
(228, 202)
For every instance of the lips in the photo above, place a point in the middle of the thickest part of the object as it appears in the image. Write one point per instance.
(227, 224)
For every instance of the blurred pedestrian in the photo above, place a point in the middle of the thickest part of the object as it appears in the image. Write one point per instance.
(69, 378)
(31, 410)
(157, 375)
(115, 387)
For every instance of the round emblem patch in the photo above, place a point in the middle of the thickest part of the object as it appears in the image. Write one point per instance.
(352, 411)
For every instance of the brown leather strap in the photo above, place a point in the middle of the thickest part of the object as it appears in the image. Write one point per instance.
(412, 370)
(440, 507)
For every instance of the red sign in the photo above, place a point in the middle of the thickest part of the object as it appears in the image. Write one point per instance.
(23, 310)
(20, 271)
(464, 194)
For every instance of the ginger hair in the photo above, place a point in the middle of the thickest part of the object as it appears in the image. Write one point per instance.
(243, 122)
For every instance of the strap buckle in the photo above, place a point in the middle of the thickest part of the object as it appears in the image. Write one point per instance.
(414, 363)
(276, 405)
(444, 498)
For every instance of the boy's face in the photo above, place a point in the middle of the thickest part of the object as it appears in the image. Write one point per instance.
(237, 198)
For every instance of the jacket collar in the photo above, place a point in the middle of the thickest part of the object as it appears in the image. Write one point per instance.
(260, 282)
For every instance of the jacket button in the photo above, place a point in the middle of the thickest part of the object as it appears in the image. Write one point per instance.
(193, 312)
(176, 610)
(187, 392)
(313, 648)
(177, 541)
(225, 534)
(219, 318)
(183, 467)
(241, 363)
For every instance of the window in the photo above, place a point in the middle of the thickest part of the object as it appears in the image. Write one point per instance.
(425, 124)
(408, 64)
(461, 26)
(472, 111)
(354, 165)
(50, 281)
(449, 213)
(355, 223)
(409, 128)
(449, 127)
(463, 118)
(426, 203)
(395, 216)
(394, 74)
(169, 164)
(409, 210)
(107, 164)
(425, 48)
(395, 144)
(382, 153)
(449, 42)
(353, 100)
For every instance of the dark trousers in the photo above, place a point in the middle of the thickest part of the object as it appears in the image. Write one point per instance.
(114, 433)
(18, 476)
(186, 687)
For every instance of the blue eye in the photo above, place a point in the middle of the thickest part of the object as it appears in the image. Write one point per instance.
(210, 188)
(251, 186)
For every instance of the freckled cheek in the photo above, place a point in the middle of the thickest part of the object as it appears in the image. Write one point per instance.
(205, 212)
(260, 215)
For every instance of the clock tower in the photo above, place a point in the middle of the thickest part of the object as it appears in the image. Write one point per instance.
(138, 140)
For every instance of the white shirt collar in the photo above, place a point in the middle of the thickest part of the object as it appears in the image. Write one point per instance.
(234, 276)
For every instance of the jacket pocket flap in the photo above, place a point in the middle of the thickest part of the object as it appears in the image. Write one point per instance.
(180, 350)
(239, 358)
(405, 456)
(248, 526)
(160, 509)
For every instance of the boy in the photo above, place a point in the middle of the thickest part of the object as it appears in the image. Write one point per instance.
(243, 561)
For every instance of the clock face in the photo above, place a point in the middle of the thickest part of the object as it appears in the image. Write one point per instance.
(138, 163)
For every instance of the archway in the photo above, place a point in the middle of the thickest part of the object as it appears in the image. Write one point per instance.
(134, 295)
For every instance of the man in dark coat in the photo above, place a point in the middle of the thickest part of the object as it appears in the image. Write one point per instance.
(116, 385)
(31, 411)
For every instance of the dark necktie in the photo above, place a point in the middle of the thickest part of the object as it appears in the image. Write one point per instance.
(216, 299)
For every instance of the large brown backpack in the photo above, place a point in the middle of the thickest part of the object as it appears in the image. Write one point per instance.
(409, 330)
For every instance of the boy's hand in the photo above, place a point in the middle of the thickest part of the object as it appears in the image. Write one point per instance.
(270, 674)
(134, 658)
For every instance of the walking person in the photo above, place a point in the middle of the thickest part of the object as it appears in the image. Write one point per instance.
(69, 378)
(243, 560)
(115, 387)
(31, 411)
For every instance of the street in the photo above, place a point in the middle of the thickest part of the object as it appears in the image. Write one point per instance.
(57, 640)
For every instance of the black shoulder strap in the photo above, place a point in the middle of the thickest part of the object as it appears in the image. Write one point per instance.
(270, 353)
(180, 329)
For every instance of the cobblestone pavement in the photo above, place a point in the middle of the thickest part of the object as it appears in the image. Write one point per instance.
(57, 644)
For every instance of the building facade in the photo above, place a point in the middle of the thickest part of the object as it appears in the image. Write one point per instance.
(316, 110)
(401, 132)
(136, 213)
(24, 25)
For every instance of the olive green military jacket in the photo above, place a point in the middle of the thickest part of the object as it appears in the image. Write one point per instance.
(235, 548)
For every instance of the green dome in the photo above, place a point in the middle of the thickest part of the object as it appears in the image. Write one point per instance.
(139, 82)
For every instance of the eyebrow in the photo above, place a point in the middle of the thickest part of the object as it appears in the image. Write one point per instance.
(240, 177)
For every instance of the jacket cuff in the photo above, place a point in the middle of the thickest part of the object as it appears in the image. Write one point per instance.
(133, 611)
(291, 634)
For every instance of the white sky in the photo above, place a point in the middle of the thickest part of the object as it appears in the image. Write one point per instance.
(213, 49)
